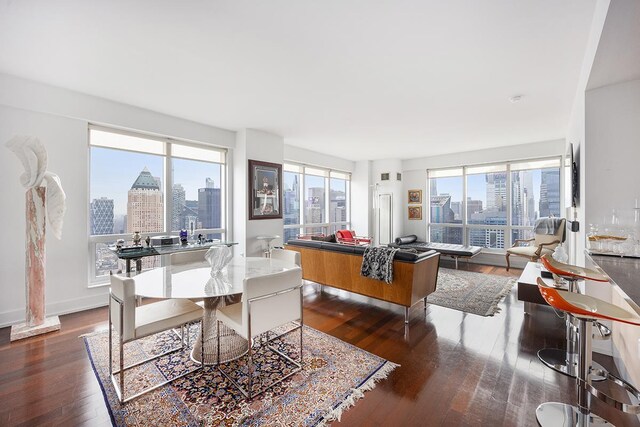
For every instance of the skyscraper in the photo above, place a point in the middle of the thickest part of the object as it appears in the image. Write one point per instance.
(102, 216)
(209, 207)
(145, 204)
(178, 207)
(497, 191)
(315, 206)
(550, 193)
(291, 208)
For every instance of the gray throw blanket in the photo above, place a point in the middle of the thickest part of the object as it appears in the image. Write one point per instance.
(377, 263)
(547, 225)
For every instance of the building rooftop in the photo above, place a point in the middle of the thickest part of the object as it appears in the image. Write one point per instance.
(146, 181)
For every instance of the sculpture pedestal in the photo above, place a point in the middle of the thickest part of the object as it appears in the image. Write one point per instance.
(23, 330)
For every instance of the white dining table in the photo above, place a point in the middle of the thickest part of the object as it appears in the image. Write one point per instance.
(196, 281)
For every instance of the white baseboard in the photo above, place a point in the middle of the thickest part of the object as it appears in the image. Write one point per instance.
(12, 317)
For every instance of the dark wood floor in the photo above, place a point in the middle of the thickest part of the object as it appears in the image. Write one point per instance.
(456, 369)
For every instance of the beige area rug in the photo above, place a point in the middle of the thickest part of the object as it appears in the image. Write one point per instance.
(475, 293)
(335, 375)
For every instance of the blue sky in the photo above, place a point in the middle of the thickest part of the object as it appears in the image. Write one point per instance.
(113, 172)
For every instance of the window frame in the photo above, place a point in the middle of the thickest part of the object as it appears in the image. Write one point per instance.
(508, 228)
(167, 158)
(326, 226)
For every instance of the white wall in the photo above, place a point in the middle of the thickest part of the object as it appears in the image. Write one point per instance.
(254, 145)
(362, 215)
(393, 187)
(612, 151)
(59, 118)
(576, 127)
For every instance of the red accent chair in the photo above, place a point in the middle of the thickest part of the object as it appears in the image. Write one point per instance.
(349, 237)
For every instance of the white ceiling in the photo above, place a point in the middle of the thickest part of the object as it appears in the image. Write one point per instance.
(359, 79)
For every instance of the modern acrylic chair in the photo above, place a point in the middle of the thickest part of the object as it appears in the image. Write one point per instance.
(291, 257)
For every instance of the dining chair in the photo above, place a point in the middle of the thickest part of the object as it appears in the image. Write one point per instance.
(291, 257)
(187, 257)
(268, 302)
(132, 323)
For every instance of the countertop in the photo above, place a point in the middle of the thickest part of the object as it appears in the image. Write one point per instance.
(624, 272)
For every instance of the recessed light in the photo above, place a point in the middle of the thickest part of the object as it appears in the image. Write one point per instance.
(516, 98)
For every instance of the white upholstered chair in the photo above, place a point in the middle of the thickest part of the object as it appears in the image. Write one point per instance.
(292, 257)
(267, 303)
(187, 257)
(539, 245)
(133, 322)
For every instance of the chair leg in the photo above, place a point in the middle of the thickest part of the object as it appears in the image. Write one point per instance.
(110, 341)
(249, 372)
(218, 335)
(507, 256)
(121, 357)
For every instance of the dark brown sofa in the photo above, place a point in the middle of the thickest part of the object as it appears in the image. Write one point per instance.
(338, 265)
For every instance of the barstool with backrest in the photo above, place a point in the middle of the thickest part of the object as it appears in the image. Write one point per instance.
(586, 310)
(566, 361)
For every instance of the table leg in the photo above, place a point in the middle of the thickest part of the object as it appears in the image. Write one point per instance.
(232, 346)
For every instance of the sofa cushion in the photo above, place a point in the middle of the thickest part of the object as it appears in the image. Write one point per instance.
(406, 239)
(304, 242)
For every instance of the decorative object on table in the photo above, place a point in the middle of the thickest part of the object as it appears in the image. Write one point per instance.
(207, 398)
(415, 196)
(470, 292)
(45, 201)
(119, 244)
(415, 212)
(148, 241)
(165, 240)
(183, 236)
(265, 195)
(218, 257)
(136, 238)
(560, 254)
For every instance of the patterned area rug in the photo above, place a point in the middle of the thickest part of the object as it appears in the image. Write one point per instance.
(335, 375)
(470, 292)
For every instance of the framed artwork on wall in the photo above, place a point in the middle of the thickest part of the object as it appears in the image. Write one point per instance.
(415, 212)
(415, 196)
(265, 195)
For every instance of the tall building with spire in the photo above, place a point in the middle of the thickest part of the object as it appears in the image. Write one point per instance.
(145, 204)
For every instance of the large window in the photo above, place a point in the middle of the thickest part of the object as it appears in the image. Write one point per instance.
(492, 205)
(151, 185)
(315, 200)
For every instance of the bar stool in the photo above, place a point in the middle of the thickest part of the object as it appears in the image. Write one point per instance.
(586, 310)
(566, 361)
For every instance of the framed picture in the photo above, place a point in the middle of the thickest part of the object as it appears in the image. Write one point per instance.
(415, 196)
(265, 190)
(415, 212)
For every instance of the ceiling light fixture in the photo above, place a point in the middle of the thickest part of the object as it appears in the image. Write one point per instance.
(516, 98)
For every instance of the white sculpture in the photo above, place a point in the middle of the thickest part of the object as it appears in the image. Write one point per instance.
(218, 258)
(43, 203)
(33, 156)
